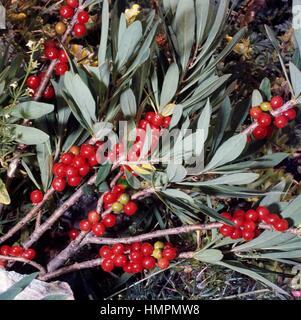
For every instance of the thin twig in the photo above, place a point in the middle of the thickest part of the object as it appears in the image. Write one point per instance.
(32, 263)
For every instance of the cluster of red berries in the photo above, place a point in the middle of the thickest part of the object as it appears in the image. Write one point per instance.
(73, 166)
(137, 257)
(265, 120)
(67, 12)
(16, 251)
(246, 223)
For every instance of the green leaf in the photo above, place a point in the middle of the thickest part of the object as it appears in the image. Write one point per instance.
(175, 172)
(209, 256)
(256, 98)
(128, 103)
(45, 161)
(31, 110)
(265, 87)
(18, 287)
(30, 174)
(4, 195)
(204, 120)
(103, 173)
(176, 116)
(202, 12)
(174, 193)
(184, 25)
(238, 267)
(104, 32)
(102, 129)
(128, 43)
(231, 179)
(170, 84)
(29, 135)
(228, 151)
(295, 74)
(81, 95)
(223, 118)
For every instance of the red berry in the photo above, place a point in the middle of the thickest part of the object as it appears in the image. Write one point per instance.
(168, 245)
(59, 170)
(166, 122)
(73, 234)
(169, 253)
(79, 30)
(118, 248)
(71, 172)
(239, 214)
(238, 221)
(263, 212)
(51, 53)
(120, 260)
(249, 225)
(63, 57)
(255, 112)
(130, 208)
(4, 250)
(74, 181)
(93, 161)
(109, 220)
(72, 3)
(128, 268)
(33, 82)
(264, 120)
(85, 226)
(48, 93)
(36, 196)
(226, 230)
(99, 229)
(226, 215)
(157, 120)
(78, 161)
(236, 234)
(67, 158)
(280, 121)
(248, 235)
(147, 249)
(66, 12)
(163, 263)
(61, 68)
(83, 17)
(149, 116)
(58, 184)
(16, 251)
(110, 198)
(105, 252)
(136, 256)
(251, 215)
(118, 189)
(29, 254)
(93, 217)
(83, 170)
(136, 246)
(107, 265)
(149, 263)
(272, 219)
(87, 150)
(281, 225)
(277, 102)
(143, 124)
(137, 267)
(291, 114)
(260, 132)
(50, 44)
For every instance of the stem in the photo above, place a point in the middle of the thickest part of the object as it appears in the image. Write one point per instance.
(57, 214)
(31, 214)
(32, 263)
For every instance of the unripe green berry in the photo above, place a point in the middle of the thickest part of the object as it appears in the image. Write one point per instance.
(159, 245)
(157, 253)
(124, 198)
(117, 207)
